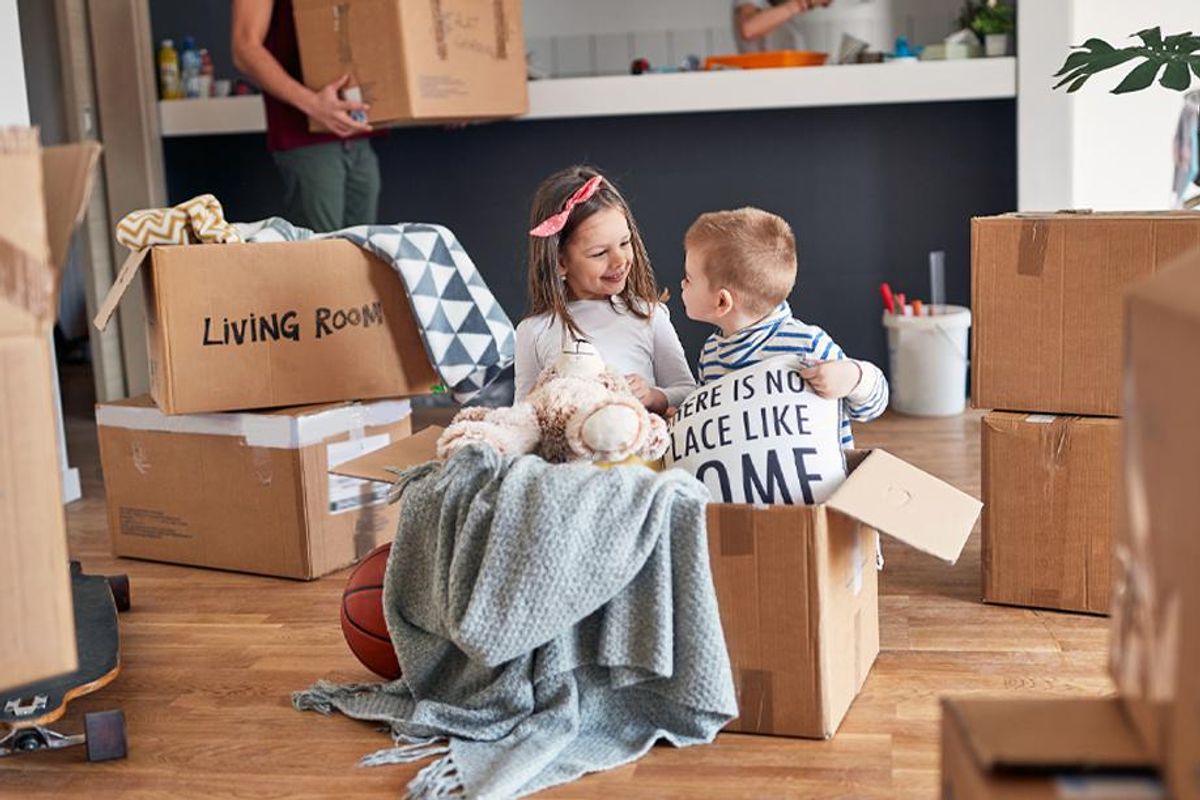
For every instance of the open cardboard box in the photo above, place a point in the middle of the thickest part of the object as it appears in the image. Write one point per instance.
(1155, 633)
(796, 585)
(1021, 748)
(418, 61)
(242, 326)
(42, 197)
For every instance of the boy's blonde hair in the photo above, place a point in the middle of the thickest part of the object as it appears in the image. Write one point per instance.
(749, 251)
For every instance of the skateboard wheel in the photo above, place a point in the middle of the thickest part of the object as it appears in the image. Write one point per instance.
(119, 584)
(105, 735)
(28, 741)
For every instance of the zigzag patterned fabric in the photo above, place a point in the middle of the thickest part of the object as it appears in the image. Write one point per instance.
(200, 220)
(468, 337)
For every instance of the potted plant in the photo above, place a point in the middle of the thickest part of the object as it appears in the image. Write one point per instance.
(992, 21)
(1177, 57)
(1172, 61)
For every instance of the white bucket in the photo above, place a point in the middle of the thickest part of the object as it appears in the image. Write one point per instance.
(929, 358)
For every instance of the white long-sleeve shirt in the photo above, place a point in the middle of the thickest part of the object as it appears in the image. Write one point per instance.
(781, 333)
(649, 348)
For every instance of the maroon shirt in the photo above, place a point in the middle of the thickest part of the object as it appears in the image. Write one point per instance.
(287, 126)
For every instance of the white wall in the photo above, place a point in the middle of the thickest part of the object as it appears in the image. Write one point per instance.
(1094, 149)
(14, 107)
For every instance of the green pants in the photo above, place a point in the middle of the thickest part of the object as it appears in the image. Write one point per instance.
(330, 186)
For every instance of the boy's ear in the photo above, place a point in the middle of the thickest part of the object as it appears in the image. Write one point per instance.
(724, 302)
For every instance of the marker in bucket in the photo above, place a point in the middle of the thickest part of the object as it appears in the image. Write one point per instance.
(900, 303)
(937, 280)
(889, 301)
(917, 307)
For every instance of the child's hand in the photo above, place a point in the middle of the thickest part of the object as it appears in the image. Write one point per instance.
(653, 399)
(833, 380)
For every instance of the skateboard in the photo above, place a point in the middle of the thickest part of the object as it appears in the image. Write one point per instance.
(27, 711)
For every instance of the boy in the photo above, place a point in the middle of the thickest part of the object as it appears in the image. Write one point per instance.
(740, 268)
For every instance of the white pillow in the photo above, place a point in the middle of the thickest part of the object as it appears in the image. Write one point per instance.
(760, 435)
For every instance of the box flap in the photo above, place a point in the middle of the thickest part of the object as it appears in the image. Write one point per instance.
(1046, 733)
(913, 506)
(120, 285)
(69, 172)
(382, 464)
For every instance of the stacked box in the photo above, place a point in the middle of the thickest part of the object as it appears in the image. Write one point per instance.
(1047, 299)
(249, 492)
(269, 363)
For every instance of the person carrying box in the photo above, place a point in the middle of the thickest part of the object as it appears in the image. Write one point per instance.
(770, 25)
(331, 180)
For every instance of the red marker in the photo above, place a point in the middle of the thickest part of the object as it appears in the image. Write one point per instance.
(889, 302)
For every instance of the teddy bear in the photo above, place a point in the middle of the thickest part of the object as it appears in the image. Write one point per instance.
(579, 410)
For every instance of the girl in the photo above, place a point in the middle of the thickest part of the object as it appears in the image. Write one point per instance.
(590, 279)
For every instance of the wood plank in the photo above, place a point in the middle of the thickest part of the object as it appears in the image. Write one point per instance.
(211, 659)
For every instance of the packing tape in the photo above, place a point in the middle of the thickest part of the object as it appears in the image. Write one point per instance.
(756, 700)
(259, 430)
(1031, 252)
(737, 531)
(26, 281)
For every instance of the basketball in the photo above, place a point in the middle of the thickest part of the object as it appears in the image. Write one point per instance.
(363, 624)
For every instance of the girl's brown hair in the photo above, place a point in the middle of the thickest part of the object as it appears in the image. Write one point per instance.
(547, 292)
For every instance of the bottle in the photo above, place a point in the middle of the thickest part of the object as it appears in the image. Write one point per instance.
(206, 73)
(189, 67)
(168, 71)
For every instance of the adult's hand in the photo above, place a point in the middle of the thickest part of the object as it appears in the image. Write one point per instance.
(329, 109)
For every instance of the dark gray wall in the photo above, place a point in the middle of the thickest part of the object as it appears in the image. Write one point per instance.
(869, 190)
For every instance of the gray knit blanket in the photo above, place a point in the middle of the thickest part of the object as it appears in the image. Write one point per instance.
(550, 621)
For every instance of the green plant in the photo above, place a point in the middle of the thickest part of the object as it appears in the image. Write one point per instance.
(1176, 57)
(986, 17)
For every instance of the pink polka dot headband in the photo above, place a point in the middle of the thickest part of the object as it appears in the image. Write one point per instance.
(554, 223)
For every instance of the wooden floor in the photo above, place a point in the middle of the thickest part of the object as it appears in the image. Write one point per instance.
(210, 660)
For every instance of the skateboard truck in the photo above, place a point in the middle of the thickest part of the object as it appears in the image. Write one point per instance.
(35, 704)
(104, 735)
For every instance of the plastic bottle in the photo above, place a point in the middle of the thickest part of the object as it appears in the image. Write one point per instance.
(206, 73)
(168, 71)
(189, 67)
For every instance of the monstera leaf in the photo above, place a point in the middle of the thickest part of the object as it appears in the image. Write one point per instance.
(1176, 58)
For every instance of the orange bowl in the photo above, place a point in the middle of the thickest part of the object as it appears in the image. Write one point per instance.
(770, 60)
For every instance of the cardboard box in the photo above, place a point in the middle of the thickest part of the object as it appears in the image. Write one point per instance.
(418, 61)
(1050, 489)
(232, 327)
(1047, 295)
(246, 492)
(1155, 655)
(1017, 748)
(796, 585)
(42, 196)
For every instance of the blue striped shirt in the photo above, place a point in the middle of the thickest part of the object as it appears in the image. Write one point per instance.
(780, 333)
